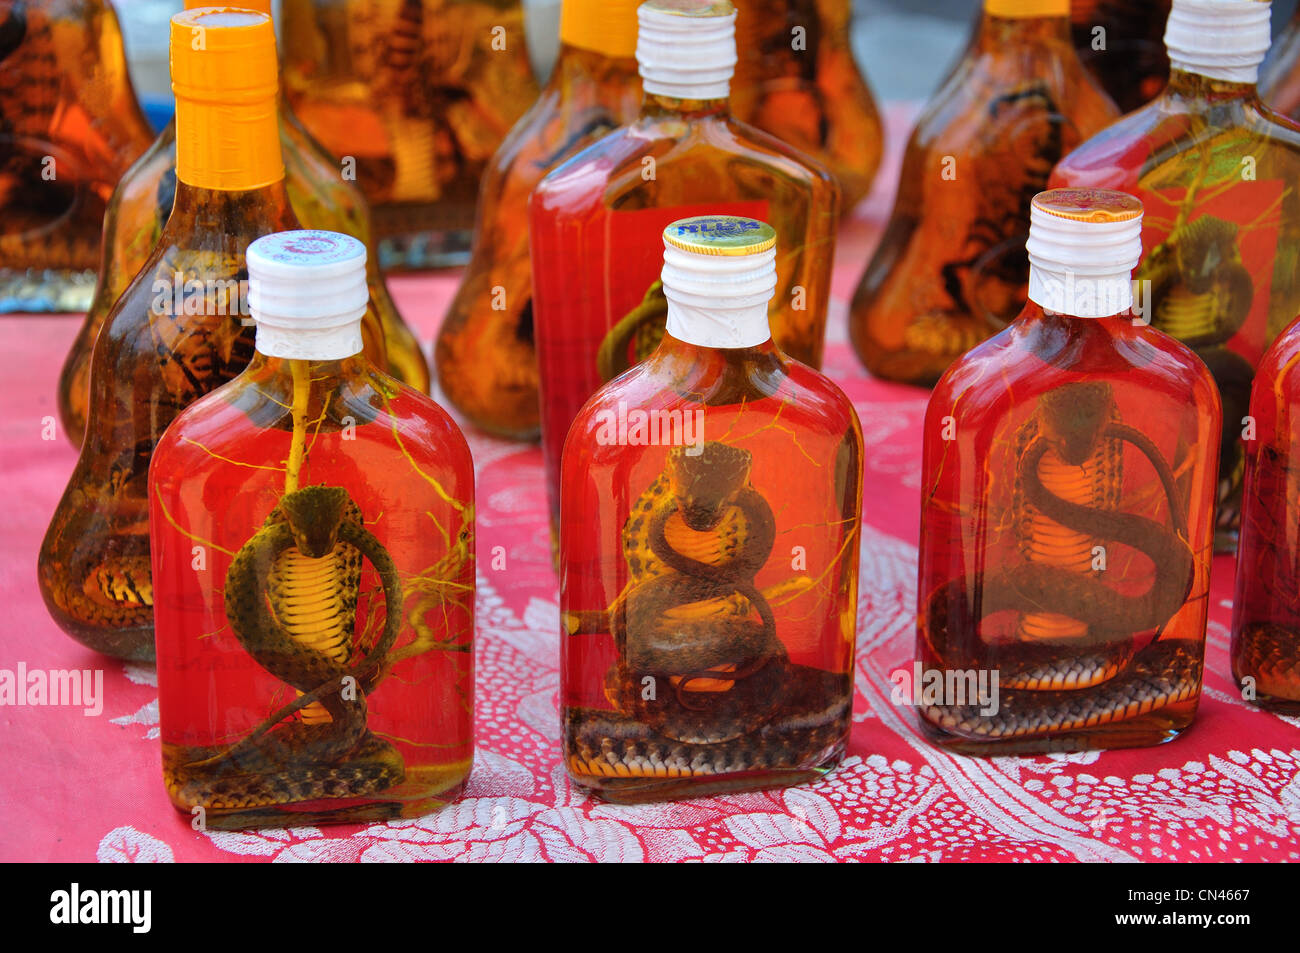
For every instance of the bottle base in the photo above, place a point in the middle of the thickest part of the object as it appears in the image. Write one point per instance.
(641, 790)
(1155, 728)
(48, 291)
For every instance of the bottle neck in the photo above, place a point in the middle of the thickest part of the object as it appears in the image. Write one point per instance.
(203, 217)
(654, 106)
(577, 67)
(231, 146)
(280, 378)
(999, 33)
(1099, 293)
(1195, 87)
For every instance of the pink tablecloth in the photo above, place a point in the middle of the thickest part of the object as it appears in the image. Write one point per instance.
(79, 788)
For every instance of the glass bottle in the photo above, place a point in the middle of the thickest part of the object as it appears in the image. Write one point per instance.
(796, 78)
(69, 127)
(595, 221)
(1067, 510)
(418, 94)
(320, 197)
(1266, 609)
(312, 528)
(1121, 42)
(179, 330)
(950, 269)
(1216, 171)
(1279, 77)
(485, 356)
(709, 534)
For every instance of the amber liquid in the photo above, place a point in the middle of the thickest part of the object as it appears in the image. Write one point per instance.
(218, 473)
(69, 127)
(812, 97)
(951, 268)
(680, 684)
(420, 94)
(1066, 529)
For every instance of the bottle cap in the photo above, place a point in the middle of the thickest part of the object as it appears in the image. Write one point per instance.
(719, 275)
(1027, 9)
(260, 6)
(1083, 246)
(1221, 39)
(307, 292)
(686, 49)
(226, 80)
(603, 26)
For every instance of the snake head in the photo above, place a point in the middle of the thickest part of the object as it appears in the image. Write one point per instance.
(705, 483)
(314, 514)
(1073, 417)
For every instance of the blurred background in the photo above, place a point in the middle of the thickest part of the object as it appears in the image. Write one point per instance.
(903, 46)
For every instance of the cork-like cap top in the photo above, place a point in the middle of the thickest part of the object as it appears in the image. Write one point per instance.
(720, 235)
(1089, 205)
(692, 8)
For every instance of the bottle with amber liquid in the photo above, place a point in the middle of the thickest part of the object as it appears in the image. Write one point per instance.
(1279, 77)
(70, 125)
(485, 356)
(1067, 510)
(1216, 170)
(320, 197)
(796, 78)
(180, 330)
(595, 221)
(1122, 44)
(312, 527)
(709, 533)
(950, 269)
(418, 94)
(1266, 609)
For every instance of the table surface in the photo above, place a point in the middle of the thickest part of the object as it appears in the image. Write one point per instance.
(79, 788)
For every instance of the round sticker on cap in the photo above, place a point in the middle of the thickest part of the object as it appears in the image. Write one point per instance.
(720, 235)
(307, 248)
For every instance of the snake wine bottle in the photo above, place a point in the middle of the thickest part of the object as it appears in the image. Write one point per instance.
(313, 555)
(321, 198)
(1066, 523)
(180, 330)
(1217, 173)
(709, 533)
(596, 221)
(487, 363)
(69, 126)
(1266, 610)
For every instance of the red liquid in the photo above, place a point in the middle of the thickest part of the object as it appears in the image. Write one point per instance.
(1068, 386)
(216, 476)
(1266, 610)
(805, 461)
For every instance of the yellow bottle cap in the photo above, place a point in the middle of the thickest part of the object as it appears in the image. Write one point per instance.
(226, 80)
(1089, 205)
(260, 6)
(603, 26)
(720, 235)
(1026, 9)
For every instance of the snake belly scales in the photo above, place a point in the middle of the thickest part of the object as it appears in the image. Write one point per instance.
(692, 624)
(291, 599)
(1094, 675)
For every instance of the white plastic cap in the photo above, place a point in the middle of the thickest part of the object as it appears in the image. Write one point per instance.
(1221, 39)
(686, 49)
(1083, 246)
(719, 275)
(307, 292)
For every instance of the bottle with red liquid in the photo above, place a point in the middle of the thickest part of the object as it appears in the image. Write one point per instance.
(598, 304)
(312, 528)
(1266, 609)
(1066, 524)
(1216, 171)
(709, 534)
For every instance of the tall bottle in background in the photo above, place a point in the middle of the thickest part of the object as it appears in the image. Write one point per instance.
(1266, 609)
(317, 663)
(951, 269)
(1067, 508)
(321, 198)
(797, 79)
(486, 358)
(710, 517)
(1279, 77)
(70, 125)
(179, 330)
(1216, 170)
(417, 95)
(1122, 44)
(595, 221)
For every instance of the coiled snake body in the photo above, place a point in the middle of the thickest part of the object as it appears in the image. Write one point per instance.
(1074, 663)
(703, 685)
(291, 598)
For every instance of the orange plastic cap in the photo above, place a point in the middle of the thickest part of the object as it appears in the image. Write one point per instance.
(603, 26)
